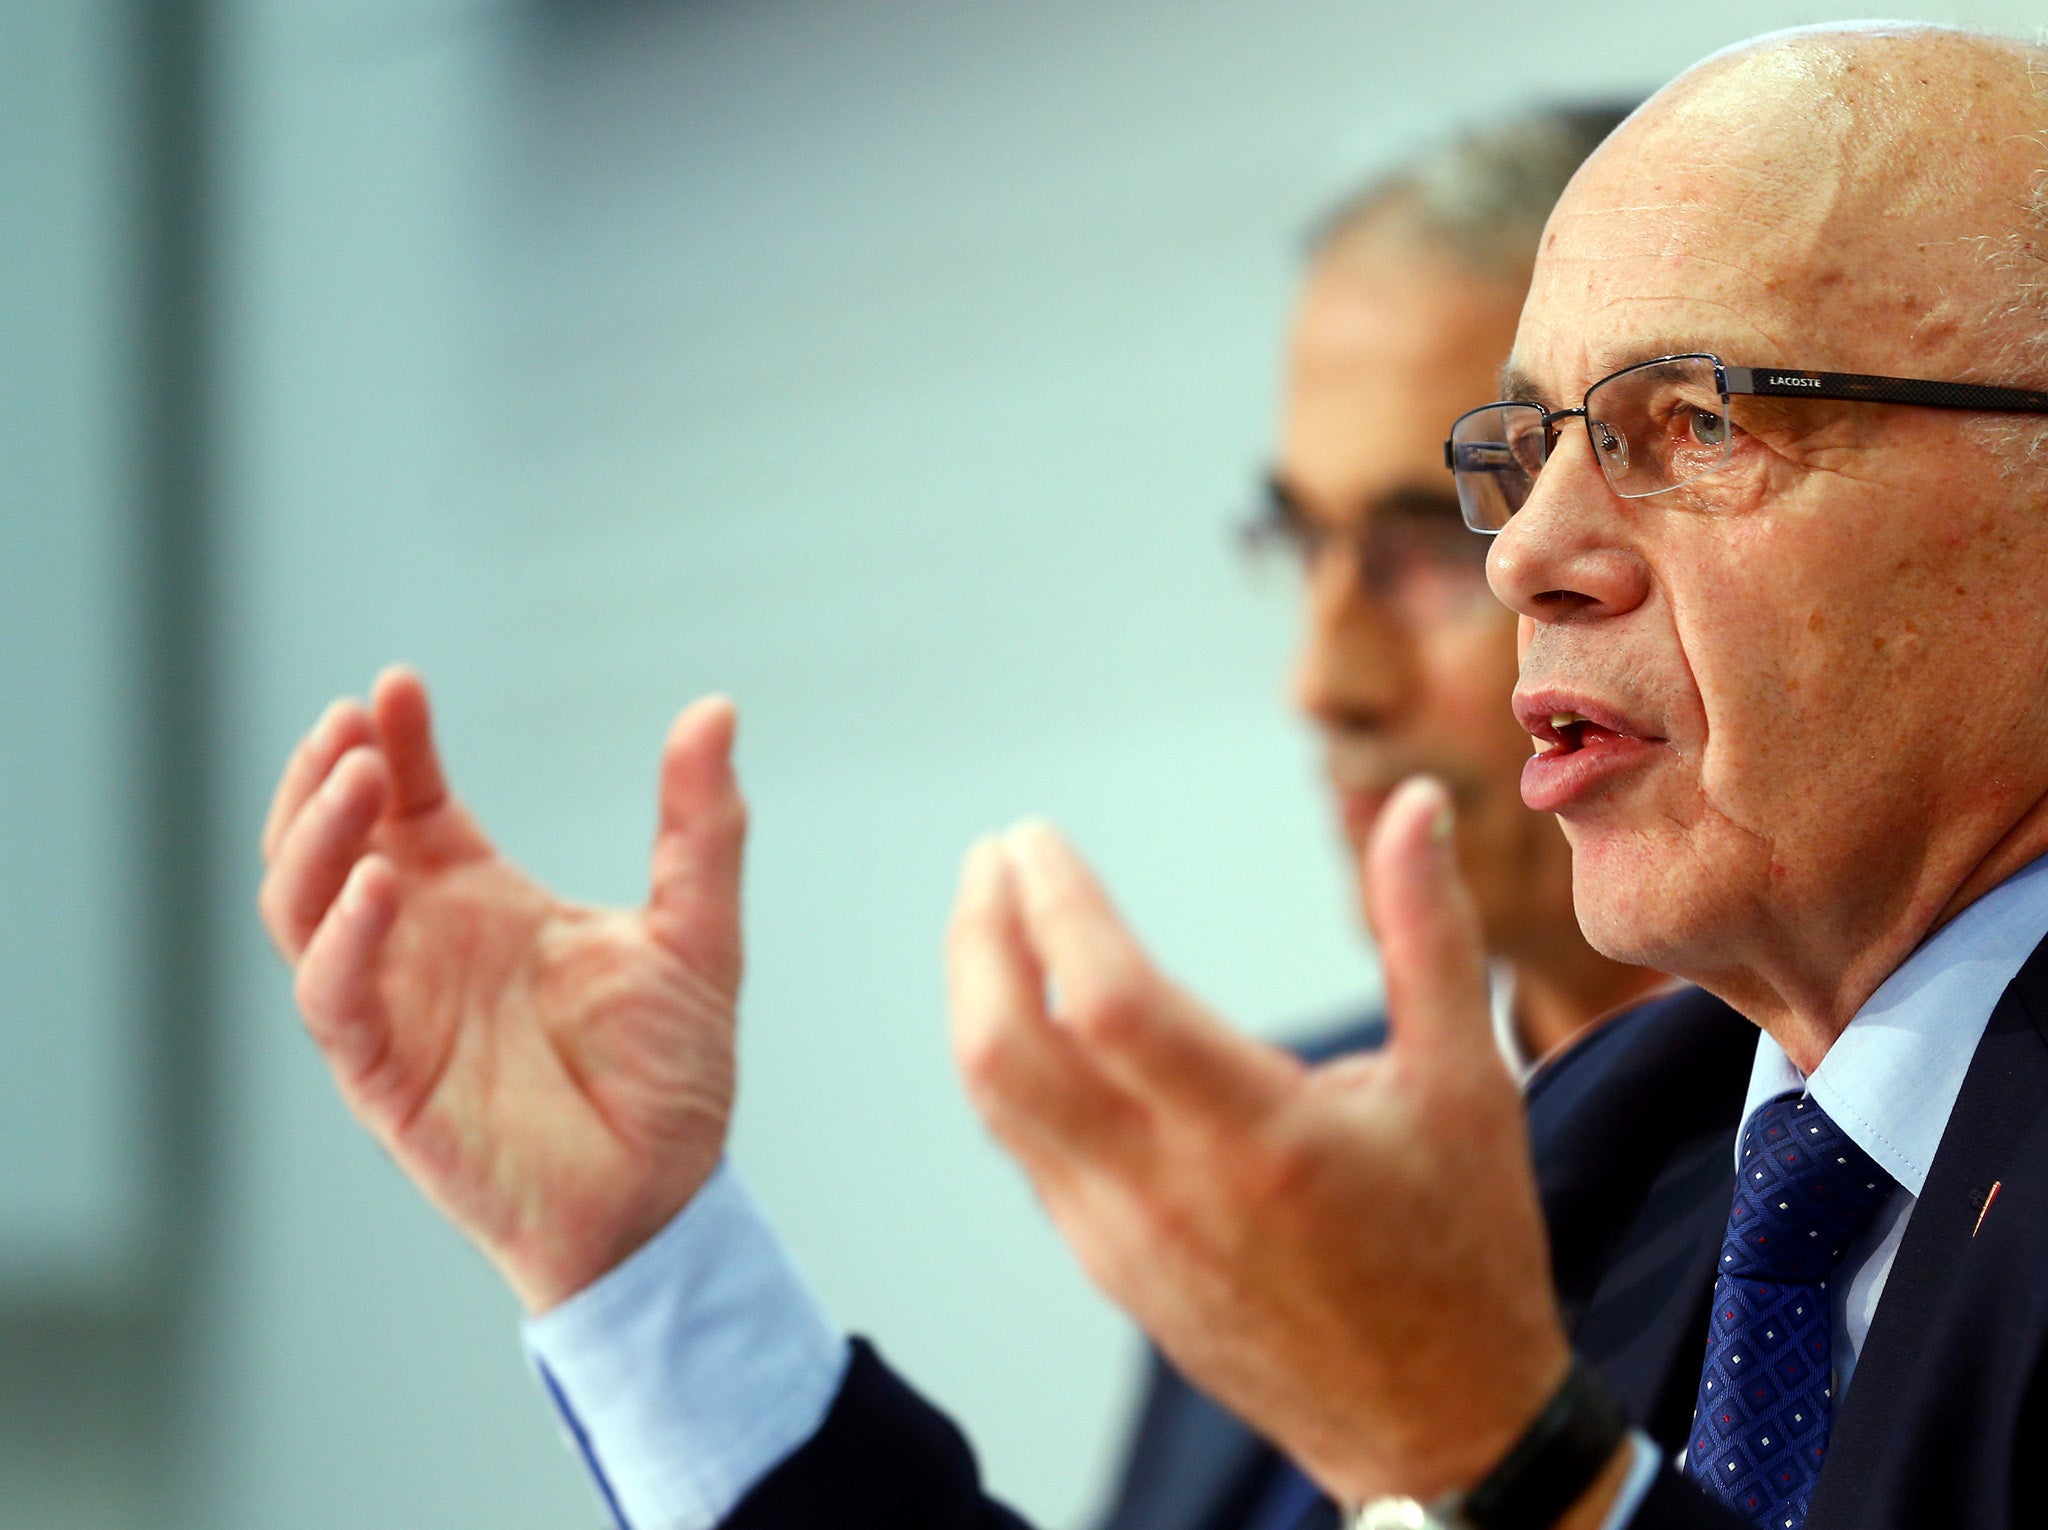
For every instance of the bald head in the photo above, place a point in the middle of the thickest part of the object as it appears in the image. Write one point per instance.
(1885, 187)
(1822, 666)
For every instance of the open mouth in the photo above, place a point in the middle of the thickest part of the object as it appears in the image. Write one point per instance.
(1568, 732)
(1576, 751)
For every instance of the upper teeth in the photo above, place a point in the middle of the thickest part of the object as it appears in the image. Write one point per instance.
(1564, 719)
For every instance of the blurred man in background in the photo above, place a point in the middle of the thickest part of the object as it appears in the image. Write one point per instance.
(566, 1133)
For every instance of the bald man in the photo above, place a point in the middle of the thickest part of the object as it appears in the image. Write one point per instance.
(1770, 494)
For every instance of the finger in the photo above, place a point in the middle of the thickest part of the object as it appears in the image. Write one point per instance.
(326, 838)
(1431, 949)
(1146, 1034)
(405, 728)
(1025, 1075)
(341, 728)
(337, 984)
(694, 901)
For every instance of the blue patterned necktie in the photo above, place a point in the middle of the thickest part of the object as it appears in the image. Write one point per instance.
(1766, 1399)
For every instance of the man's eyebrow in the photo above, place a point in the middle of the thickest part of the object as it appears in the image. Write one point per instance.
(1630, 353)
(1418, 499)
(1280, 503)
(1277, 500)
(1519, 386)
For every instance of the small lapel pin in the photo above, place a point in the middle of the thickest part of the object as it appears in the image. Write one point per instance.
(1985, 1210)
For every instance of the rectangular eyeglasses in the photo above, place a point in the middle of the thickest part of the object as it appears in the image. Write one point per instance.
(1663, 423)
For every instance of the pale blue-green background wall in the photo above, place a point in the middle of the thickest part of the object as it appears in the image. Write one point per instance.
(896, 366)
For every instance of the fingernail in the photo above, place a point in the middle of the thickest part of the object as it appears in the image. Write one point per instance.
(336, 786)
(1444, 825)
(1032, 837)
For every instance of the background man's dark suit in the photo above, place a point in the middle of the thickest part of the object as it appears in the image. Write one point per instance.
(1633, 1131)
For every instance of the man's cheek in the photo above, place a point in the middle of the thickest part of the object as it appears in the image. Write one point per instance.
(1758, 674)
(1810, 728)
(1754, 767)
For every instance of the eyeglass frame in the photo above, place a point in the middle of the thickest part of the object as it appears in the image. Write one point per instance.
(1758, 382)
(1280, 520)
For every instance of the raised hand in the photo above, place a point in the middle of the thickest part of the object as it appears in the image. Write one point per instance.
(558, 1079)
(1351, 1257)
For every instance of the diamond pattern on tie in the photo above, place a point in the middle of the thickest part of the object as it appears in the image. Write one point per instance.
(1760, 1429)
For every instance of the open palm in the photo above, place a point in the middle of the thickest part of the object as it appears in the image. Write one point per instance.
(557, 1078)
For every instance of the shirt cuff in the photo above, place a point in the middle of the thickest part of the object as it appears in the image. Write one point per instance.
(1635, 1487)
(692, 1370)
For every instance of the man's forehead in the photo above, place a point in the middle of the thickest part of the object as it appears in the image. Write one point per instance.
(1788, 206)
(1622, 281)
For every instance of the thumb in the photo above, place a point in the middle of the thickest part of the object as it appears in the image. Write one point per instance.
(1139, 1028)
(1431, 949)
(693, 906)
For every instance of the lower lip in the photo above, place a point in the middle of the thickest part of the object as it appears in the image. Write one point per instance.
(1552, 782)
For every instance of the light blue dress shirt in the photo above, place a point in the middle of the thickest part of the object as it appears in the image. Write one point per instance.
(687, 1374)
(1891, 1079)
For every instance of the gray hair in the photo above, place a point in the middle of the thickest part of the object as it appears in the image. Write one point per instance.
(2018, 330)
(1482, 195)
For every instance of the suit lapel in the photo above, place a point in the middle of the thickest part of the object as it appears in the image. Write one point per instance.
(1937, 1322)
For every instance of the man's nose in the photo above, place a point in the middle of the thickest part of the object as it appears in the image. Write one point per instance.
(1569, 549)
(1355, 665)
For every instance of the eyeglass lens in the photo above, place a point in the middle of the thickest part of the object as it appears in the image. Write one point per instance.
(1414, 555)
(1652, 427)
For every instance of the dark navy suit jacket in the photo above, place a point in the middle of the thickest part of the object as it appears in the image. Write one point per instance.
(1633, 1134)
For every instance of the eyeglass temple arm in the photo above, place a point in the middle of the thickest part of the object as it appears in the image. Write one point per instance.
(1771, 382)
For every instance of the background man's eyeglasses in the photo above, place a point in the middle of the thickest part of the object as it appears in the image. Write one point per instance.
(1663, 423)
(1408, 549)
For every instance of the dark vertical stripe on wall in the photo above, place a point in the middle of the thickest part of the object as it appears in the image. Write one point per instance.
(175, 59)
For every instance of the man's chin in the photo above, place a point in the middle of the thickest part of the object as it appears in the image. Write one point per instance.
(1623, 894)
(1637, 906)
(1628, 940)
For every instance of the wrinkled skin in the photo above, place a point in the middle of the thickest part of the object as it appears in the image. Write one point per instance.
(1850, 613)
(558, 1079)
(1216, 1188)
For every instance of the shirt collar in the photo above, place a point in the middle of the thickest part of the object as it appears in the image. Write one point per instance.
(1500, 993)
(1892, 1077)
